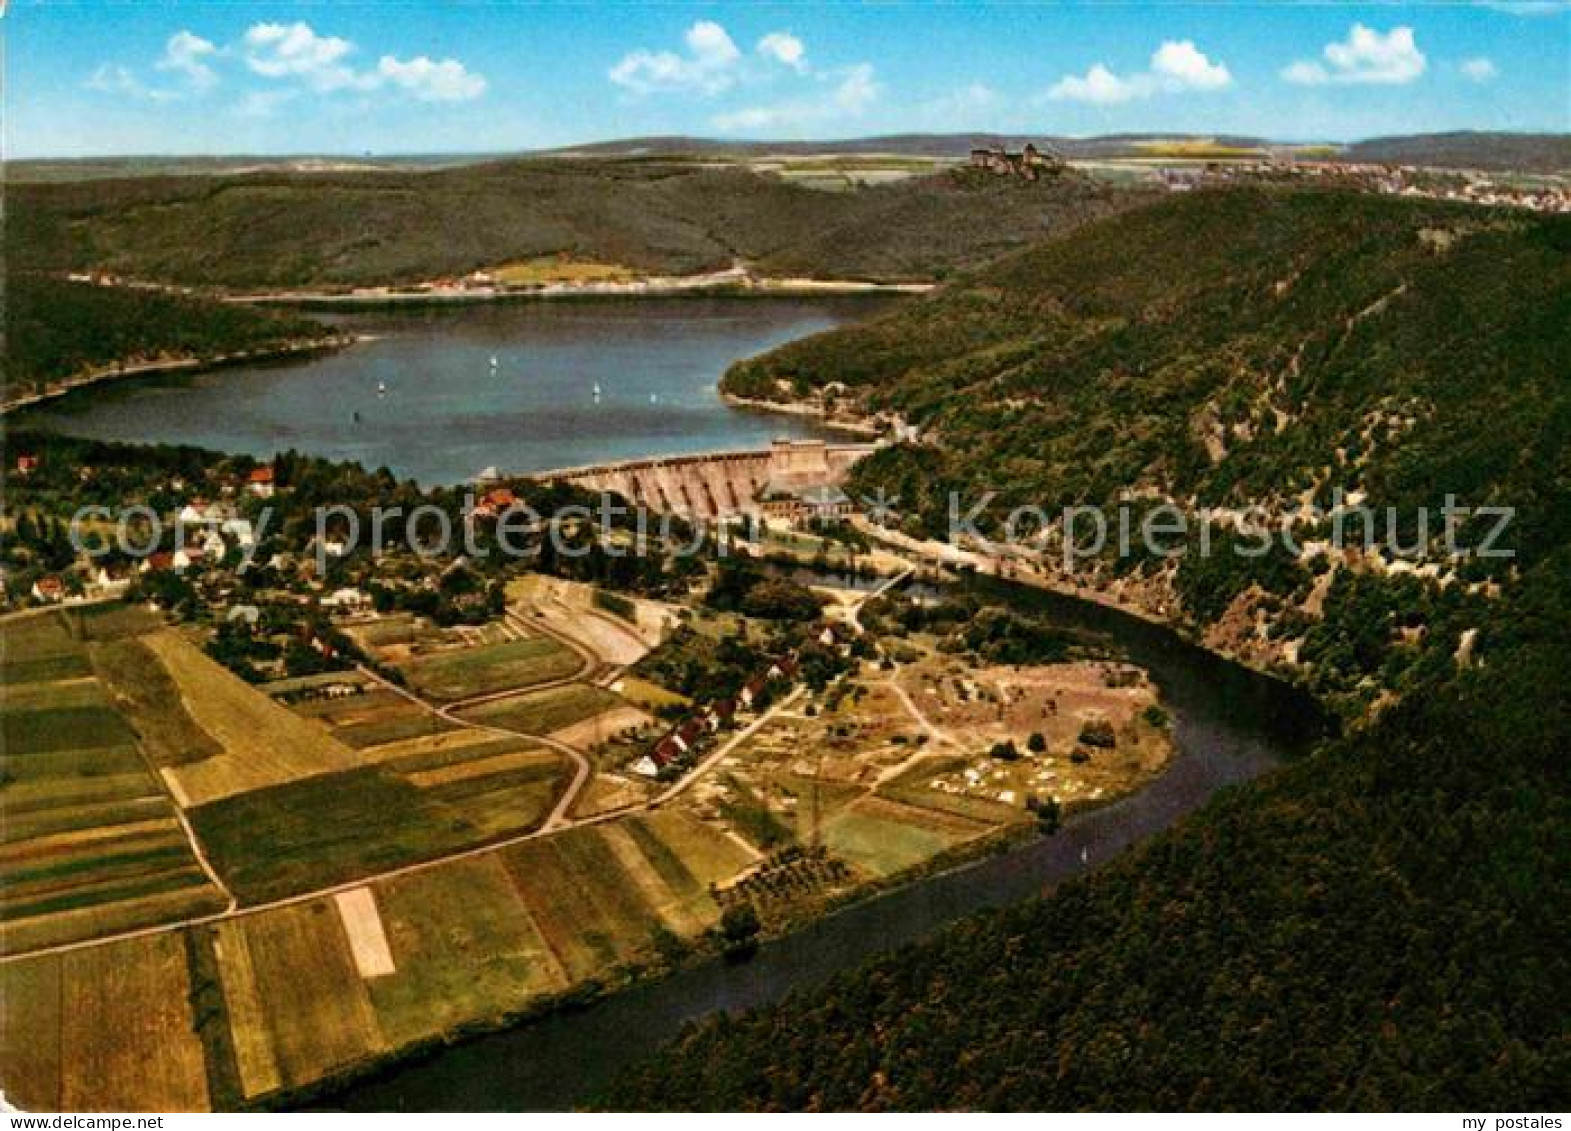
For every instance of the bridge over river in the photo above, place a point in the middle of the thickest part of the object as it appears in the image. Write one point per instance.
(711, 485)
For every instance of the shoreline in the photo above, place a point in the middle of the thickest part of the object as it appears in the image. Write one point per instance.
(732, 282)
(105, 374)
(854, 425)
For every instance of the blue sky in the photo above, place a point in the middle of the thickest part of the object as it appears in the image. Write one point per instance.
(406, 77)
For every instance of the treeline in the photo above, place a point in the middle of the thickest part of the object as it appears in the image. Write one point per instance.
(56, 328)
(282, 230)
(1377, 926)
(1244, 347)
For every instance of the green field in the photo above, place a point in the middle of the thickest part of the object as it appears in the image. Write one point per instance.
(89, 843)
(461, 673)
(542, 712)
(464, 946)
(881, 846)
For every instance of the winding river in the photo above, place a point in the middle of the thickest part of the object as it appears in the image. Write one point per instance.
(1230, 725)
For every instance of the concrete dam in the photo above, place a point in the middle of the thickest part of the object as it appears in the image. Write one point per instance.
(713, 485)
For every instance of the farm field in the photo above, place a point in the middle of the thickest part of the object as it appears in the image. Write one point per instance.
(107, 1028)
(416, 800)
(461, 673)
(297, 1005)
(373, 716)
(90, 844)
(463, 946)
(261, 743)
(556, 709)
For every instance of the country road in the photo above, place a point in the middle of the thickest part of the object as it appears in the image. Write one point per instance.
(557, 821)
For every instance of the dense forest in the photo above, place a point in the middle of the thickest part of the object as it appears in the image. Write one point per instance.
(1376, 925)
(1238, 348)
(56, 329)
(280, 229)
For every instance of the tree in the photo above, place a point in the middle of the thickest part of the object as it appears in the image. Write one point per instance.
(1036, 743)
(739, 927)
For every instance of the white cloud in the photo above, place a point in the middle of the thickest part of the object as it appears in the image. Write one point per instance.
(1098, 85)
(1180, 65)
(294, 50)
(185, 54)
(322, 63)
(1365, 56)
(708, 67)
(783, 47)
(1480, 69)
(1176, 66)
(845, 94)
(961, 107)
(429, 81)
(111, 78)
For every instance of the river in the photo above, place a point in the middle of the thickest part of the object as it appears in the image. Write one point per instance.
(1229, 725)
(423, 399)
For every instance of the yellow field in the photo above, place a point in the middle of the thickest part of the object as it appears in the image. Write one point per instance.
(263, 743)
(553, 269)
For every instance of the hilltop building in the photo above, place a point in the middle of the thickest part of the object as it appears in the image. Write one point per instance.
(1029, 164)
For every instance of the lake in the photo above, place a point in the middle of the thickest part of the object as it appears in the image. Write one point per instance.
(444, 414)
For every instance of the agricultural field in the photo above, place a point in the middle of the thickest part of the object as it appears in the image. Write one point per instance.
(372, 715)
(298, 1007)
(555, 269)
(415, 800)
(577, 713)
(259, 744)
(599, 893)
(107, 1028)
(90, 843)
(453, 674)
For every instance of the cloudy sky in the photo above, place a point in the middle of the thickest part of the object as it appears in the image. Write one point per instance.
(231, 76)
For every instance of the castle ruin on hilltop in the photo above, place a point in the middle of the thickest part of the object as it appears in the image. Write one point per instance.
(1029, 164)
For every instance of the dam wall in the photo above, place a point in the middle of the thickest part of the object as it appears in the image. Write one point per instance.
(712, 485)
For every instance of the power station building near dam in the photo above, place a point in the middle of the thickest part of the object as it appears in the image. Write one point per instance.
(790, 479)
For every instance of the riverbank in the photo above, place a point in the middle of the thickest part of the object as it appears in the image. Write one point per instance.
(1230, 726)
(105, 373)
(852, 425)
(733, 281)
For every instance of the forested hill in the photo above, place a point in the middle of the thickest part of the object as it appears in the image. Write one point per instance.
(1379, 925)
(292, 230)
(57, 329)
(1231, 348)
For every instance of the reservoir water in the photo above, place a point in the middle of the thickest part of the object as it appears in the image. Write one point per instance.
(424, 399)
